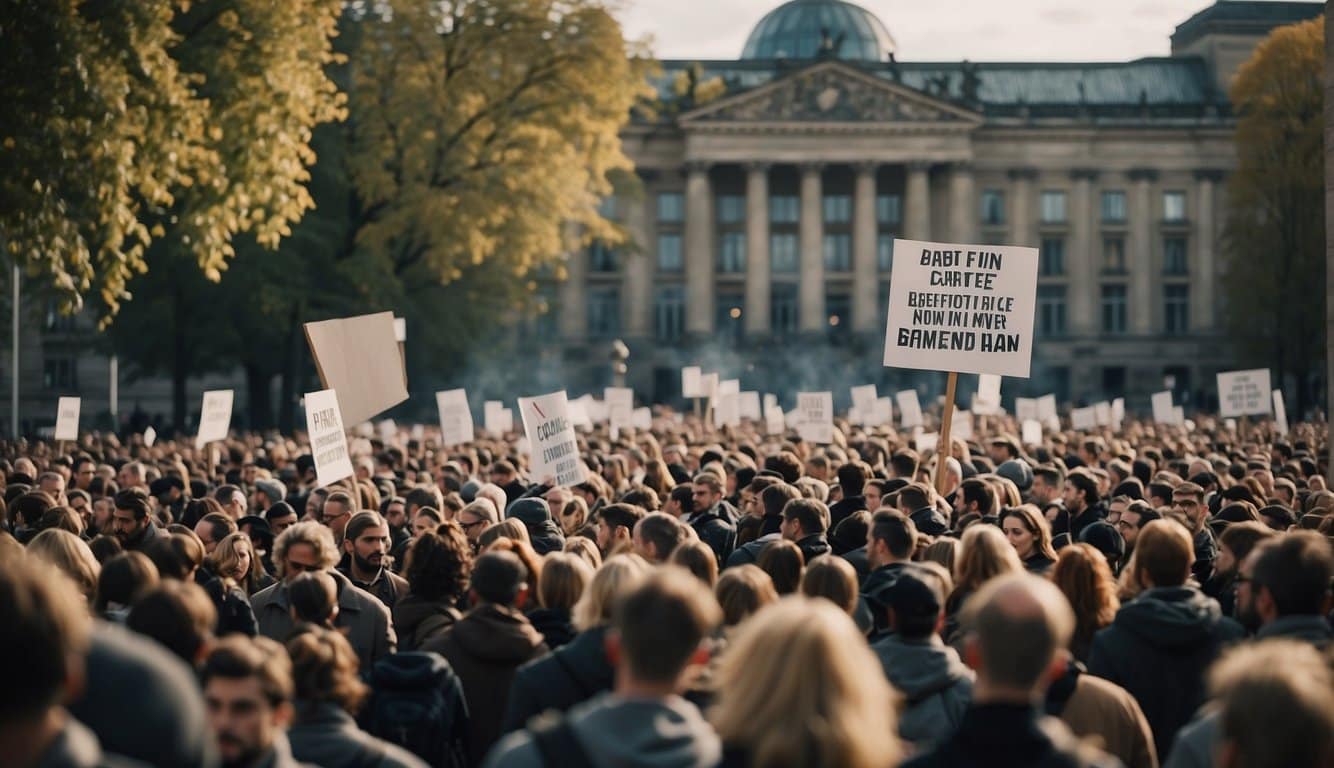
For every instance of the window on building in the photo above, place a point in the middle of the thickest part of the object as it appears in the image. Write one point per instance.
(783, 252)
(60, 373)
(838, 308)
(889, 210)
(731, 209)
(993, 207)
(837, 209)
(671, 207)
(732, 252)
(1051, 261)
(1113, 380)
(1176, 308)
(838, 252)
(1114, 206)
(601, 258)
(1174, 256)
(784, 209)
(1051, 310)
(783, 308)
(884, 252)
(604, 312)
(670, 258)
(1114, 254)
(669, 312)
(1052, 207)
(1113, 309)
(1174, 206)
(728, 323)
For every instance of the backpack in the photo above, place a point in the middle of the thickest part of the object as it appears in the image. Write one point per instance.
(417, 703)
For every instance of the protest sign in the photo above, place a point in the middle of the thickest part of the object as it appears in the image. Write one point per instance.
(455, 417)
(150, 437)
(1026, 409)
(620, 408)
(774, 420)
(863, 399)
(1118, 411)
(708, 384)
(815, 411)
(1244, 393)
(1032, 432)
(910, 409)
(770, 400)
(727, 409)
(550, 432)
(215, 417)
(1047, 408)
(1102, 413)
(494, 419)
(642, 418)
(577, 410)
(690, 382)
(1280, 413)
(927, 441)
(359, 358)
(67, 418)
(1162, 407)
(884, 411)
(1084, 419)
(749, 405)
(987, 400)
(961, 426)
(328, 442)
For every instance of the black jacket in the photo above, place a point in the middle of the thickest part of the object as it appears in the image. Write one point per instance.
(813, 546)
(326, 736)
(857, 558)
(929, 521)
(573, 673)
(716, 531)
(749, 552)
(839, 510)
(1005, 735)
(1159, 648)
(554, 624)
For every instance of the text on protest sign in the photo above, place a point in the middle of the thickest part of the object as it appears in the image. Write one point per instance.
(815, 413)
(215, 417)
(1244, 393)
(455, 417)
(328, 442)
(550, 432)
(963, 308)
(67, 418)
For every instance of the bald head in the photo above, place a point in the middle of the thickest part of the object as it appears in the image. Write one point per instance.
(1017, 625)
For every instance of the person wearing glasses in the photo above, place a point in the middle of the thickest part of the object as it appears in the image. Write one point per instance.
(1137, 514)
(1188, 502)
(308, 547)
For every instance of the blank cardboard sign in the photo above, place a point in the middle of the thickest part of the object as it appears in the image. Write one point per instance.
(358, 357)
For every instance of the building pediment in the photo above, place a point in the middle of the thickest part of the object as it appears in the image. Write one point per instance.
(832, 93)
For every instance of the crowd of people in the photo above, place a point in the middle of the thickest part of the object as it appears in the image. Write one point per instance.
(1145, 595)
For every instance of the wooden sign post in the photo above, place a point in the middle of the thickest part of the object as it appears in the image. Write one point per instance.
(946, 424)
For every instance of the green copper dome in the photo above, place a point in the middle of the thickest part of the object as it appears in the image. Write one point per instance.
(810, 29)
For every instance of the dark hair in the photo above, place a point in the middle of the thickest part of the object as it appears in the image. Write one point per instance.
(663, 531)
(359, 522)
(896, 530)
(177, 614)
(105, 547)
(421, 497)
(312, 596)
(1240, 538)
(979, 491)
(776, 496)
(225, 493)
(683, 496)
(123, 578)
(237, 657)
(324, 669)
(1050, 475)
(1296, 568)
(1087, 485)
(621, 515)
(786, 464)
(176, 555)
(850, 533)
(696, 556)
(813, 515)
(784, 563)
(438, 564)
(668, 598)
(914, 496)
(220, 525)
(29, 507)
(852, 477)
(45, 626)
(498, 577)
(905, 463)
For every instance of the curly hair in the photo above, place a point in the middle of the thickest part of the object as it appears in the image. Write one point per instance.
(438, 564)
(324, 669)
(309, 532)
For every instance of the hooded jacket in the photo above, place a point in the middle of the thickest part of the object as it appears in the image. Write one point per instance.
(652, 733)
(485, 647)
(935, 684)
(554, 624)
(535, 515)
(417, 620)
(571, 674)
(929, 521)
(1159, 648)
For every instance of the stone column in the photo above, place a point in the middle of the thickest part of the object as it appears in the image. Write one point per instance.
(757, 315)
(865, 229)
(637, 289)
(699, 250)
(810, 291)
(573, 305)
(917, 202)
(1022, 231)
(1084, 298)
(963, 204)
(1204, 267)
(1140, 253)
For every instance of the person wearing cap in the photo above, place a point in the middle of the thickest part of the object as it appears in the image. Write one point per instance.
(1018, 472)
(1003, 448)
(535, 515)
(936, 685)
(267, 493)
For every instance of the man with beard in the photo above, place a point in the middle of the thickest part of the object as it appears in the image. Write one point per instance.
(365, 549)
(248, 691)
(131, 522)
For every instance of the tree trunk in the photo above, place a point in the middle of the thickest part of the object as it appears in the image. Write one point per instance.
(258, 397)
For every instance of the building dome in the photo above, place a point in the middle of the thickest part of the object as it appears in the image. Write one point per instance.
(809, 29)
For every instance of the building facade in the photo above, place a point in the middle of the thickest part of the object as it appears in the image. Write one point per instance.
(762, 234)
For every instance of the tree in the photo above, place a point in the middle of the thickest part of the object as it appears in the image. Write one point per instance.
(1275, 228)
(129, 124)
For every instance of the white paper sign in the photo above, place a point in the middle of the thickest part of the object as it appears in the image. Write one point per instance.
(749, 405)
(884, 411)
(577, 410)
(815, 411)
(493, 418)
(927, 441)
(988, 398)
(620, 408)
(1084, 419)
(727, 408)
(1179, 416)
(1244, 393)
(1162, 407)
(1032, 432)
(964, 308)
(215, 417)
(1026, 409)
(770, 401)
(1118, 411)
(400, 330)
(775, 422)
(1280, 413)
(910, 410)
(863, 399)
(150, 437)
(67, 418)
(1047, 408)
(388, 430)
(1102, 413)
(690, 382)
(550, 431)
(642, 418)
(708, 384)
(961, 425)
(455, 417)
(328, 442)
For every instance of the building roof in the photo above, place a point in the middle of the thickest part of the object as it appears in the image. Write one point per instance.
(1243, 16)
(809, 29)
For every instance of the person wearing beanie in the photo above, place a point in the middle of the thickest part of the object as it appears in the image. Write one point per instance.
(1104, 537)
(267, 493)
(1018, 472)
(535, 515)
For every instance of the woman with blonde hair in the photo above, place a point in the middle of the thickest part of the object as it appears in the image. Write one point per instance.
(573, 515)
(658, 477)
(71, 555)
(234, 558)
(505, 529)
(564, 579)
(793, 691)
(984, 554)
(1083, 576)
(1030, 534)
(585, 549)
(945, 551)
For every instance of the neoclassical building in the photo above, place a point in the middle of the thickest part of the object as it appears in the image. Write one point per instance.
(773, 190)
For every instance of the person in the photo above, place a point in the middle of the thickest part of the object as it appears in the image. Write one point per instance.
(327, 694)
(247, 685)
(280, 517)
(915, 501)
(564, 578)
(792, 689)
(615, 528)
(1016, 629)
(852, 477)
(714, 520)
(234, 558)
(309, 546)
(489, 643)
(1136, 515)
(742, 591)
(696, 557)
(1234, 544)
(122, 580)
(180, 616)
(784, 563)
(543, 532)
(1082, 501)
(773, 498)
(1030, 535)
(1160, 644)
(1188, 503)
(581, 669)
(437, 569)
(365, 563)
(656, 536)
(336, 512)
(131, 522)
(1276, 707)
(834, 579)
(804, 523)
(1102, 712)
(267, 493)
(1083, 576)
(935, 683)
(72, 556)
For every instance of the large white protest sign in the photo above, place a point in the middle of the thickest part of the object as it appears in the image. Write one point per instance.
(962, 308)
(577, 410)
(690, 382)
(642, 418)
(726, 403)
(550, 432)
(1047, 408)
(1084, 419)
(1026, 409)
(708, 384)
(359, 358)
(749, 405)
(1244, 393)
(910, 409)
(215, 417)
(67, 418)
(1162, 407)
(455, 417)
(1280, 413)
(815, 413)
(1102, 413)
(1032, 432)
(620, 408)
(863, 399)
(775, 422)
(987, 400)
(328, 441)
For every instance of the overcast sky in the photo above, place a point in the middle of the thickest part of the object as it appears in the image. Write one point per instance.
(935, 30)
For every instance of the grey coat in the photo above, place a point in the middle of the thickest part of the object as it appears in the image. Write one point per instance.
(364, 618)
